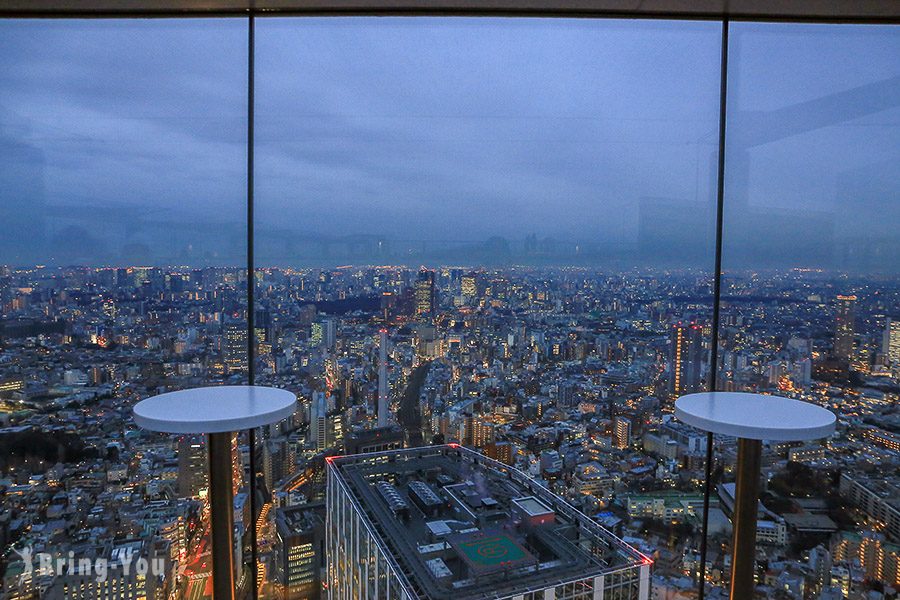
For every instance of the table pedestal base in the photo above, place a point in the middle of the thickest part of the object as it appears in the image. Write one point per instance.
(221, 503)
(746, 503)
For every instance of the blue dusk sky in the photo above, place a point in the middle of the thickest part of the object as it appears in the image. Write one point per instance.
(456, 140)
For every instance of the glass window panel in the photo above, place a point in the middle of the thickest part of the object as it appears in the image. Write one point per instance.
(123, 203)
(525, 206)
(811, 295)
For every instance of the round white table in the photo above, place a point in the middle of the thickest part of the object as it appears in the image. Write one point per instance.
(218, 411)
(751, 418)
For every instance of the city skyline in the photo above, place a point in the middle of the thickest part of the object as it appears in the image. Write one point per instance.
(488, 250)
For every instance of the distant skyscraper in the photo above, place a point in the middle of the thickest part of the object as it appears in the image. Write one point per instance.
(891, 342)
(469, 286)
(235, 347)
(425, 296)
(323, 332)
(383, 399)
(844, 327)
(686, 359)
(329, 333)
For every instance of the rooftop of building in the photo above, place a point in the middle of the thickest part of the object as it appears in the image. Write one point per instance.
(300, 519)
(460, 525)
(888, 489)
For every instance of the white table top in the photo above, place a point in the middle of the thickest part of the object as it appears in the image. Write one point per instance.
(755, 416)
(215, 409)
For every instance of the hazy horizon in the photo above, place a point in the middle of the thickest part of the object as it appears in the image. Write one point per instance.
(449, 140)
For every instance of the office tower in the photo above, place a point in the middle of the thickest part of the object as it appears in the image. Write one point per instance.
(235, 347)
(298, 547)
(844, 327)
(262, 325)
(424, 293)
(469, 286)
(685, 359)
(193, 472)
(321, 424)
(316, 333)
(329, 333)
(621, 437)
(479, 529)
(383, 400)
(323, 333)
(891, 342)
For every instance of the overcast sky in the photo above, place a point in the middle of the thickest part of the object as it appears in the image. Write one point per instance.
(445, 139)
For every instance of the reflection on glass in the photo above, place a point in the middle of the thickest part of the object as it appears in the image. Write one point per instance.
(497, 233)
(122, 199)
(811, 293)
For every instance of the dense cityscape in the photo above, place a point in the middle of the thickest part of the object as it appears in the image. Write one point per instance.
(568, 374)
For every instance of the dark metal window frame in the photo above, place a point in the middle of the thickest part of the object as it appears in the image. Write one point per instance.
(11, 9)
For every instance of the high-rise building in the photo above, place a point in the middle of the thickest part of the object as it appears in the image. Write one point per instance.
(501, 451)
(479, 432)
(325, 426)
(384, 401)
(844, 327)
(318, 421)
(300, 537)
(621, 436)
(193, 470)
(424, 293)
(323, 333)
(329, 333)
(235, 347)
(878, 559)
(685, 359)
(891, 343)
(379, 546)
(469, 286)
(316, 333)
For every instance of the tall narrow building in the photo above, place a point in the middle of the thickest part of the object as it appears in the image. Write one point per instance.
(425, 296)
(891, 343)
(621, 435)
(318, 422)
(193, 466)
(234, 349)
(844, 327)
(686, 359)
(383, 400)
